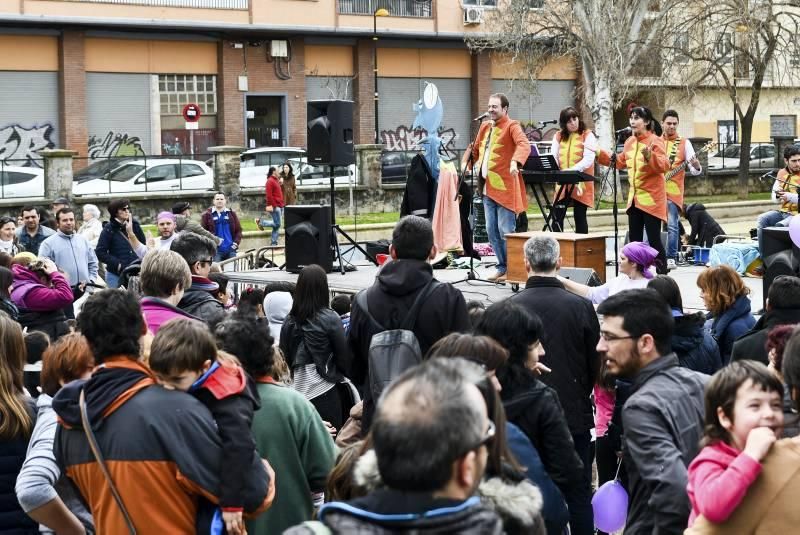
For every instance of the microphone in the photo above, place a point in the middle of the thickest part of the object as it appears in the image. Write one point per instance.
(481, 117)
(621, 131)
(769, 174)
(545, 123)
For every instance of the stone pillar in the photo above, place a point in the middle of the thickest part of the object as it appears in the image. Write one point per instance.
(368, 160)
(57, 173)
(781, 142)
(364, 92)
(697, 144)
(226, 173)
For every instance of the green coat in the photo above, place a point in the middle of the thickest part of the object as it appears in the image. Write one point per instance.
(290, 434)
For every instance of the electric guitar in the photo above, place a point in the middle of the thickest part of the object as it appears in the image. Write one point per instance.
(672, 172)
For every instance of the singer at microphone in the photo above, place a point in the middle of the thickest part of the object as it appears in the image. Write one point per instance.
(481, 117)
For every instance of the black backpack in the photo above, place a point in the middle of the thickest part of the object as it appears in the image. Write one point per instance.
(393, 351)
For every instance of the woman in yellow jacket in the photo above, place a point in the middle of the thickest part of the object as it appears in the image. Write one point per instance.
(646, 160)
(574, 148)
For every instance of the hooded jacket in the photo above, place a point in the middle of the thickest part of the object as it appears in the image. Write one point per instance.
(197, 301)
(753, 344)
(113, 247)
(571, 332)
(29, 294)
(534, 408)
(161, 446)
(730, 325)
(157, 312)
(389, 299)
(73, 254)
(695, 347)
(320, 341)
(276, 307)
(704, 227)
(663, 424)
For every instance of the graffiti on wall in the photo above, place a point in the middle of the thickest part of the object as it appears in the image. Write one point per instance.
(405, 138)
(114, 145)
(19, 145)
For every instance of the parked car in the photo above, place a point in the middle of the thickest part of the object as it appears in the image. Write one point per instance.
(255, 164)
(21, 181)
(150, 175)
(761, 155)
(100, 168)
(395, 165)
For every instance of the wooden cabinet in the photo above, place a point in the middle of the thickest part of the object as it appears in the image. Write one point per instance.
(577, 250)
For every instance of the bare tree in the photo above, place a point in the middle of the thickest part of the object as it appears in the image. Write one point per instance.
(612, 40)
(741, 47)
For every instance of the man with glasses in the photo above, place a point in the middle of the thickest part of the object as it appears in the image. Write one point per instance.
(199, 299)
(430, 435)
(663, 415)
(121, 243)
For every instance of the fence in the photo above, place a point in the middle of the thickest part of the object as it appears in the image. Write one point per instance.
(397, 8)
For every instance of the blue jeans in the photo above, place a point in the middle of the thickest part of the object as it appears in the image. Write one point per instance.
(773, 218)
(112, 281)
(673, 238)
(275, 223)
(499, 222)
(220, 256)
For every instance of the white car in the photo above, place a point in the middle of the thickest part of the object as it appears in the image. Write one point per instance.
(150, 175)
(255, 164)
(21, 182)
(761, 155)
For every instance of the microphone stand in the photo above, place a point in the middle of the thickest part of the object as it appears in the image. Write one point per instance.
(612, 172)
(470, 164)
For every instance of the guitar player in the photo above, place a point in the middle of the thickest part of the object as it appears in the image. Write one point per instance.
(679, 150)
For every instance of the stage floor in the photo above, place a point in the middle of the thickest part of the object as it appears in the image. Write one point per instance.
(487, 293)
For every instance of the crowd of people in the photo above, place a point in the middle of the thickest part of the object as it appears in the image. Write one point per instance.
(160, 404)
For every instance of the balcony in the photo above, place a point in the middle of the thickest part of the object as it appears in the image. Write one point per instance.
(196, 4)
(397, 8)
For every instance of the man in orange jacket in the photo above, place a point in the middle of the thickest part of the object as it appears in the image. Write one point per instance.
(500, 150)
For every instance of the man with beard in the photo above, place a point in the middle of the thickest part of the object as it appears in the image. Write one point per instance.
(663, 416)
(430, 437)
(167, 231)
(31, 233)
(72, 253)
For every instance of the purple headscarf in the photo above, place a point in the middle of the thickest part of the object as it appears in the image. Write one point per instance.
(641, 254)
(166, 215)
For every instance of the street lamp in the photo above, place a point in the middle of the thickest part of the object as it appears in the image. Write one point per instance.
(380, 12)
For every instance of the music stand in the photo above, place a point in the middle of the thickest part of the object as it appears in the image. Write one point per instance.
(545, 164)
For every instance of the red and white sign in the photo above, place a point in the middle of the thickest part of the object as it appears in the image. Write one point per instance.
(191, 113)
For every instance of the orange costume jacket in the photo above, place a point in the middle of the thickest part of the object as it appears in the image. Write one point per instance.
(675, 147)
(646, 188)
(508, 142)
(570, 153)
(789, 183)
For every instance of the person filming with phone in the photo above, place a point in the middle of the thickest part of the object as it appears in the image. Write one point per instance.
(121, 242)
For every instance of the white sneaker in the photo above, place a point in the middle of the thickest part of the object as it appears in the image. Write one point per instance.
(671, 264)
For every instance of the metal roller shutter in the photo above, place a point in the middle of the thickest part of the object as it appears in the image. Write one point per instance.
(396, 110)
(119, 114)
(551, 97)
(329, 87)
(28, 116)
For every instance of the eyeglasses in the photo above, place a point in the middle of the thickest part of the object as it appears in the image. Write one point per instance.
(126, 208)
(608, 337)
(487, 438)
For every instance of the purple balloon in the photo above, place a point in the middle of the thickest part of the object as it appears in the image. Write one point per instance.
(794, 230)
(610, 506)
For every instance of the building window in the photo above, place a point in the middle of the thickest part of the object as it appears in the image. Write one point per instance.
(397, 8)
(178, 90)
(493, 3)
(723, 47)
(682, 48)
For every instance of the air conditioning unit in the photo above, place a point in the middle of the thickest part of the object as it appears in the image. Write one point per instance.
(473, 15)
(279, 49)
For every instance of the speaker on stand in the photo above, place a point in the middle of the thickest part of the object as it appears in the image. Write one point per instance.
(308, 237)
(330, 142)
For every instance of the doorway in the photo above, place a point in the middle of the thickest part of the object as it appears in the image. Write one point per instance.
(265, 126)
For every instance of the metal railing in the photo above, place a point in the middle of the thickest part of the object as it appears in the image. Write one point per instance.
(397, 8)
(728, 156)
(195, 4)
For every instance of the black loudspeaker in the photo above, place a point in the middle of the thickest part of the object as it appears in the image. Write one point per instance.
(780, 256)
(585, 276)
(308, 237)
(330, 132)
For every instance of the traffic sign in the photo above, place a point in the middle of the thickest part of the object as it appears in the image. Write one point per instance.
(191, 112)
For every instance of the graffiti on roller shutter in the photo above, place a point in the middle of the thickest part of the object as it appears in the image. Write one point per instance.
(19, 145)
(404, 138)
(115, 144)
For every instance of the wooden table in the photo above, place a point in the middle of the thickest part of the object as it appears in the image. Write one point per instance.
(577, 250)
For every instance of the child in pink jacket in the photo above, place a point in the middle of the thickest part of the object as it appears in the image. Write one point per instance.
(744, 417)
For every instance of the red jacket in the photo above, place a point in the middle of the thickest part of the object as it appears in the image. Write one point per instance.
(274, 193)
(718, 480)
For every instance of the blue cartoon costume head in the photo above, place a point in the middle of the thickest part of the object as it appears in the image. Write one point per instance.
(429, 112)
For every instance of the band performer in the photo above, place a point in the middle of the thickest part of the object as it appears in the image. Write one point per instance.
(679, 150)
(784, 192)
(500, 151)
(574, 148)
(646, 161)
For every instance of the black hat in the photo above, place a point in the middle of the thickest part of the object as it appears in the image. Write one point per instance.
(180, 207)
(61, 200)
